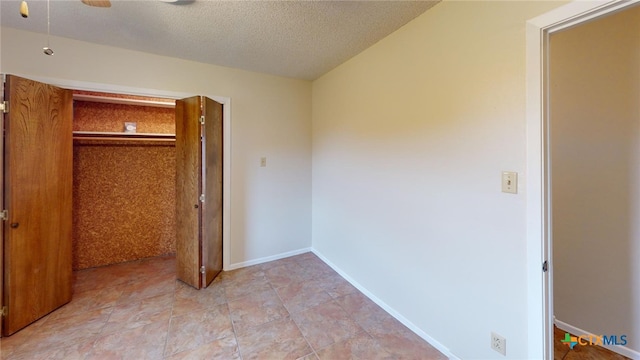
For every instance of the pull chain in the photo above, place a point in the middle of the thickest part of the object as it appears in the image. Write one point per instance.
(47, 50)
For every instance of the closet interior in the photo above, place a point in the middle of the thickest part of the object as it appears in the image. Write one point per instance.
(124, 182)
(93, 179)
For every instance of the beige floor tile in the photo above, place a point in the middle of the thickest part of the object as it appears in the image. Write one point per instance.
(188, 299)
(131, 315)
(256, 309)
(277, 339)
(287, 274)
(79, 328)
(222, 349)
(98, 298)
(17, 344)
(68, 351)
(148, 286)
(279, 310)
(314, 267)
(311, 356)
(244, 284)
(361, 346)
(144, 342)
(192, 330)
(325, 324)
(300, 296)
(364, 311)
(335, 285)
(407, 345)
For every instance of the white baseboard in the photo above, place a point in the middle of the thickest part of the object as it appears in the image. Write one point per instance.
(266, 259)
(622, 350)
(433, 342)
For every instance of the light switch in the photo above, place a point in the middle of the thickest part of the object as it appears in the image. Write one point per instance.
(510, 182)
(263, 162)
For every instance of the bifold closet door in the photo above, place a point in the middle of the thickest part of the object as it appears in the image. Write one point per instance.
(37, 237)
(198, 190)
(211, 223)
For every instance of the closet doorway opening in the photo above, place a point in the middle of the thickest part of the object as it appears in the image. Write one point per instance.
(172, 96)
(147, 182)
(124, 178)
(94, 102)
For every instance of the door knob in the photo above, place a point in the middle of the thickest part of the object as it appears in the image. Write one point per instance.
(15, 225)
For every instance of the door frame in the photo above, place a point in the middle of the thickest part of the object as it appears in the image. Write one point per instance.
(538, 174)
(226, 136)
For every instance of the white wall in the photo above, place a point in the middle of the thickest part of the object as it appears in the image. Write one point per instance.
(409, 140)
(271, 206)
(595, 138)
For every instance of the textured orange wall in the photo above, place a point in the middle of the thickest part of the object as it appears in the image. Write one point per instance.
(92, 116)
(123, 191)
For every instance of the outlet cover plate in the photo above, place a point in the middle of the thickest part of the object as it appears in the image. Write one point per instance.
(498, 343)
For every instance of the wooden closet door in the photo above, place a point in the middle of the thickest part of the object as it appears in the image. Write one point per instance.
(38, 167)
(199, 190)
(212, 189)
(188, 185)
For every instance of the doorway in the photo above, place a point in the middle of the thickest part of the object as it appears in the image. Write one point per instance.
(594, 139)
(157, 93)
(539, 209)
(123, 178)
(26, 99)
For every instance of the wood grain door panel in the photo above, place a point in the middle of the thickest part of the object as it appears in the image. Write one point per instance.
(198, 172)
(188, 184)
(38, 156)
(212, 188)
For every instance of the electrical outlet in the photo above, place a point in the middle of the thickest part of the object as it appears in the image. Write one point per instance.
(263, 161)
(498, 343)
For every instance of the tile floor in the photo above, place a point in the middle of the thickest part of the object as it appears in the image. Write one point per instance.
(563, 352)
(294, 308)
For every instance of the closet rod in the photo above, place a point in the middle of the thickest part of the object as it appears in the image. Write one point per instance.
(123, 139)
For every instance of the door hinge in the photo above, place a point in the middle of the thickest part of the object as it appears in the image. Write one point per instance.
(202, 270)
(201, 197)
(4, 311)
(4, 215)
(202, 119)
(545, 266)
(4, 107)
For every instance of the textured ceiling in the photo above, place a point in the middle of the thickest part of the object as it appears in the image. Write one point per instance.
(299, 39)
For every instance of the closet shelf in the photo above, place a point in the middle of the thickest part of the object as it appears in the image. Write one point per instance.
(115, 100)
(120, 136)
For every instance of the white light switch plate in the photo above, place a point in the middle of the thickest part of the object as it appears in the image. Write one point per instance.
(510, 182)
